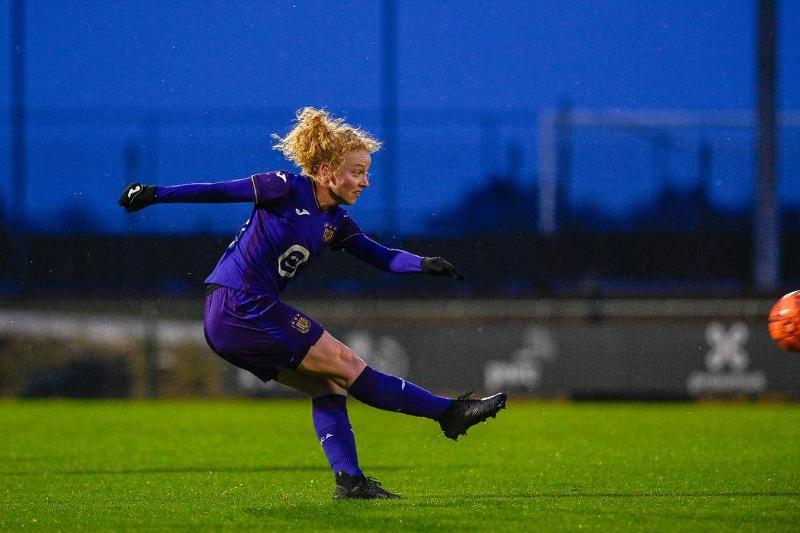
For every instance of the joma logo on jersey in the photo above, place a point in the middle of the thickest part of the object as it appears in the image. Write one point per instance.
(328, 232)
(291, 259)
(301, 324)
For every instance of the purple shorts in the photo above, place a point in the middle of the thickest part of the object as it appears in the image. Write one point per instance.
(258, 333)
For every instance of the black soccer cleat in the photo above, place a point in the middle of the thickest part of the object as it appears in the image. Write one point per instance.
(360, 487)
(466, 412)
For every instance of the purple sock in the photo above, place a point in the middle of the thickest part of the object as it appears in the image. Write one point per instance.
(335, 434)
(394, 394)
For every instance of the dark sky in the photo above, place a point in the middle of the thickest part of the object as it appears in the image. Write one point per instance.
(467, 58)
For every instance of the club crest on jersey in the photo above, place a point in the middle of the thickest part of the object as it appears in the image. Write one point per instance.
(328, 233)
(301, 323)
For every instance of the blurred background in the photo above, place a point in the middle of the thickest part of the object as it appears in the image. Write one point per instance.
(619, 182)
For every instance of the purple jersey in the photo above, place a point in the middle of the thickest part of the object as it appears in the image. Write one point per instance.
(285, 232)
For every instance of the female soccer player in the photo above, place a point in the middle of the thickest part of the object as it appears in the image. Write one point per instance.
(294, 218)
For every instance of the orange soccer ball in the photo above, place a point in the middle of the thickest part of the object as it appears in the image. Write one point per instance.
(784, 322)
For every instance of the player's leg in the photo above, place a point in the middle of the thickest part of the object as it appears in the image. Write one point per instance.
(335, 434)
(330, 418)
(333, 359)
(273, 337)
(312, 386)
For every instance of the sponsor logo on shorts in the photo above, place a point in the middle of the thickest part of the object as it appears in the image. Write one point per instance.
(301, 324)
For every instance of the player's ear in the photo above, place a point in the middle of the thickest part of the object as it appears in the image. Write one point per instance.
(328, 176)
(324, 173)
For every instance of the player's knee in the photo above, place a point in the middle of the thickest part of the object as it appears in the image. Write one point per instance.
(350, 363)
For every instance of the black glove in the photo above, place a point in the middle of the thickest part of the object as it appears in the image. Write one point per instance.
(438, 266)
(137, 196)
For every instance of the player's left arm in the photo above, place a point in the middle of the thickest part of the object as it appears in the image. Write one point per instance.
(351, 238)
(395, 260)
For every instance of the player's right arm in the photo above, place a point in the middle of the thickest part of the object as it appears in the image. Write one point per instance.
(258, 188)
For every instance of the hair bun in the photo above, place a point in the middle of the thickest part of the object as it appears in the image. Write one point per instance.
(318, 137)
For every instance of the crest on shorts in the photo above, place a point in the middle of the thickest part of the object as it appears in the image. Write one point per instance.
(328, 232)
(301, 323)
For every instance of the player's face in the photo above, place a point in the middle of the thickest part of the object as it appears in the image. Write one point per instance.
(351, 177)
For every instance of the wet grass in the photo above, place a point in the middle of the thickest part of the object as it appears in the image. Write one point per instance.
(539, 466)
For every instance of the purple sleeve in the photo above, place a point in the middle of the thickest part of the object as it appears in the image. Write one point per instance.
(347, 230)
(389, 259)
(270, 185)
(257, 188)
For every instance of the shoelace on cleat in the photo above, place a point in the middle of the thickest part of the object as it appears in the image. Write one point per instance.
(371, 484)
(374, 486)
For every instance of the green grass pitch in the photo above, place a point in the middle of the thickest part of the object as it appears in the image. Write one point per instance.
(540, 466)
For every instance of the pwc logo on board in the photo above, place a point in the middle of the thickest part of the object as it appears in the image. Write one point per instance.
(523, 369)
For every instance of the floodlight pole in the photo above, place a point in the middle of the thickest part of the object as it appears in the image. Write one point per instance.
(766, 230)
(547, 172)
(563, 215)
(17, 213)
(554, 152)
(389, 114)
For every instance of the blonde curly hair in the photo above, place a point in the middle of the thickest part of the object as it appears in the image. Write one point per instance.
(318, 137)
